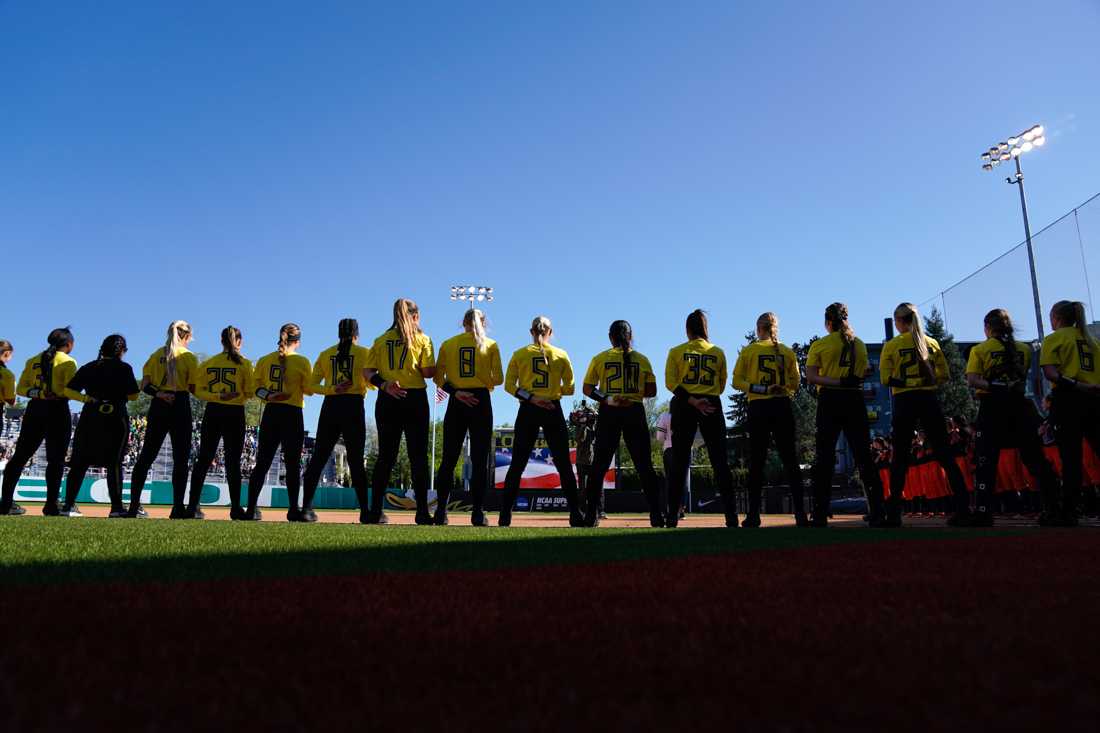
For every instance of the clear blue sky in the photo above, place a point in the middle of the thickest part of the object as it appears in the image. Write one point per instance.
(255, 163)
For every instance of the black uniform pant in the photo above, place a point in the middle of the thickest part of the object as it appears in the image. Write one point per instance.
(685, 421)
(529, 420)
(843, 411)
(1009, 421)
(628, 424)
(112, 437)
(341, 416)
(165, 420)
(923, 407)
(772, 418)
(46, 420)
(281, 426)
(225, 424)
(1076, 417)
(395, 417)
(459, 420)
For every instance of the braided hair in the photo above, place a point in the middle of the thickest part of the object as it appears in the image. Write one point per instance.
(837, 316)
(113, 347)
(231, 337)
(1000, 326)
(348, 330)
(290, 333)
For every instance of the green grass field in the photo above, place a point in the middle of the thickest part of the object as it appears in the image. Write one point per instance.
(48, 550)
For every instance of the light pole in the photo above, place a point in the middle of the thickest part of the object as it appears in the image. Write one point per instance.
(1012, 149)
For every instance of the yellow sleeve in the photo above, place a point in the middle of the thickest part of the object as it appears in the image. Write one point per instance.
(65, 372)
(427, 354)
(26, 382)
(722, 371)
(147, 370)
(740, 373)
(862, 363)
(650, 377)
(1048, 355)
(886, 363)
(7, 386)
(942, 372)
(794, 377)
(317, 379)
(814, 357)
(567, 385)
(202, 387)
(672, 375)
(1026, 351)
(592, 376)
(192, 374)
(440, 377)
(973, 363)
(496, 374)
(248, 380)
(511, 379)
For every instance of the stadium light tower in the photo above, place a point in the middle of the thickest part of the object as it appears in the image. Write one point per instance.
(472, 293)
(1012, 149)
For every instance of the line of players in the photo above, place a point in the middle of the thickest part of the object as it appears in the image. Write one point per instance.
(401, 360)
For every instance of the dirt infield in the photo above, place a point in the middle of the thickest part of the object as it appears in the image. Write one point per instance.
(992, 633)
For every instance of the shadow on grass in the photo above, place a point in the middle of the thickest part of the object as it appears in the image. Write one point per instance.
(207, 552)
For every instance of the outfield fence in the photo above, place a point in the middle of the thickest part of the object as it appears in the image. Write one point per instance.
(1067, 264)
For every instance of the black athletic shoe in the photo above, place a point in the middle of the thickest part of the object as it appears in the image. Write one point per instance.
(440, 518)
(70, 510)
(800, 520)
(14, 510)
(732, 520)
(308, 515)
(137, 511)
(656, 519)
(117, 514)
(478, 518)
(819, 521)
(423, 518)
(672, 521)
(294, 514)
(236, 513)
(196, 513)
(51, 509)
(960, 519)
(368, 517)
(252, 514)
(179, 512)
(505, 518)
(576, 519)
(751, 521)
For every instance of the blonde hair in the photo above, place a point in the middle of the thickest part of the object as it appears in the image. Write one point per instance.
(769, 324)
(403, 312)
(1072, 313)
(475, 321)
(837, 316)
(540, 331)
(288, 334)
(178, 331)
(907, 313)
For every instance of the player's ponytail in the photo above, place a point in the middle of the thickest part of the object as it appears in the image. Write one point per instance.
(404, 312)
(767, 326)
(113, 347)
(697, 325)
(622, 337)
(1072, 313)
(907, 313)
(289, 334)
(348, 330)
(178, 331)
(58, 339)
(231, 339)
(1000, 326)
(837, 316)
(540, 332)
(474, 322)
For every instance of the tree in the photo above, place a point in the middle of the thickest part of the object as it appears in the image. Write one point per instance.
(955, 397)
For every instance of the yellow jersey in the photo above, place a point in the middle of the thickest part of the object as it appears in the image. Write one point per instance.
(64, 367)
(836, 358)
(292, 376)
(698, 366)
(219, 375)
(465, 366)
(401, 362)
(331, 369)
(987, 360)
(764, 363)
(1074, 356)
(7, 384)
(614, 376)
(899, 361)
(187, 371)
(547, 375)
